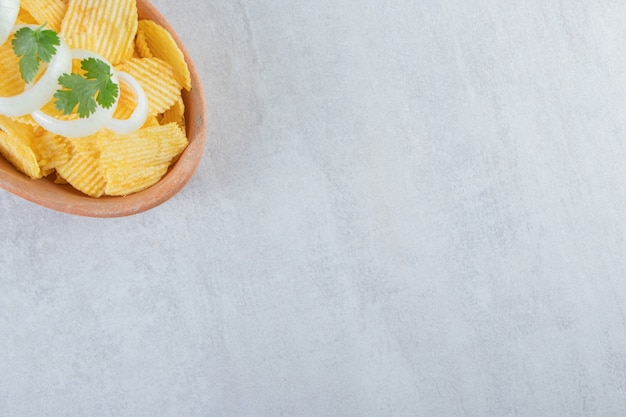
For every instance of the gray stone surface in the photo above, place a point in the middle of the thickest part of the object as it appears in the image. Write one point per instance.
(408, 208)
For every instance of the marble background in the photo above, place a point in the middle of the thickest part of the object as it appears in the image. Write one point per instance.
(407, 208)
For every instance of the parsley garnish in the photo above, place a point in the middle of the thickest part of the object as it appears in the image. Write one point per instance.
(85, 91)
(34, 46)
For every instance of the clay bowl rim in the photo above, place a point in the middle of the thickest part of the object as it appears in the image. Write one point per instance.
(66, 199)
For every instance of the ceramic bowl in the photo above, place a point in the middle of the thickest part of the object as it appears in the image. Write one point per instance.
(66, 199)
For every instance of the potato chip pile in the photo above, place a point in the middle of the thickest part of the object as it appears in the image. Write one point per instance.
(105, 163)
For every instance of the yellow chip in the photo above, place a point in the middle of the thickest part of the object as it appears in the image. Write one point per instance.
(126, 180)
(102, 26)
(151, 121)
(129, 52)
(21, 156)
(175, 114)
(83, 172)
(25, 18)
(60, 180)
(12, 83)
(50, 12)
(82, 41)
(86, 144)
(148, 146)
(16, 128)
(158, 81)
(126, 103)
(141, 45)
(15, 145)
(27, 119)
(162, 45)
(136, 161)
(53, 150)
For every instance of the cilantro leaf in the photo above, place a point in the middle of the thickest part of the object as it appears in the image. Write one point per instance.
(84, 92)
(79, 92)
(34, 46)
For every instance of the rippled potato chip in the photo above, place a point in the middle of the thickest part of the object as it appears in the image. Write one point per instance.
(142, 50)
(127, 102)
(19, 154)
(161, 44)
(53, 150)
(126, 180)
(58, 179)
(102, 26)
(25, 18)
(50, 12)
(111, 164)
(175, 114)
(151, 121)
(146, 147)
(12, 83)
(16, 146)
(158, 80)
(136, 161)
(87, 145)
(83, 172)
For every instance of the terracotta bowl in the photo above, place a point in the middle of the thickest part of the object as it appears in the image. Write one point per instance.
(66, 199)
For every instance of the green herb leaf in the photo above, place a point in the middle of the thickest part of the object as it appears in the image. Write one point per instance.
(85, 92)
(34, 46)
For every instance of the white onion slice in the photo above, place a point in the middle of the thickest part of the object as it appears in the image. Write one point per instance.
(9, 10)
(138, 118)
(38, 94)
(79, 128)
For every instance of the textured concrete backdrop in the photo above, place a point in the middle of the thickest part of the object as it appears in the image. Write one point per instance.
(407, 208)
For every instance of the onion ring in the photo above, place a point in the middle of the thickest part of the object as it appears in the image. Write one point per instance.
(37, 94)
(9, 10)
(139, 115)
(79, 128)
